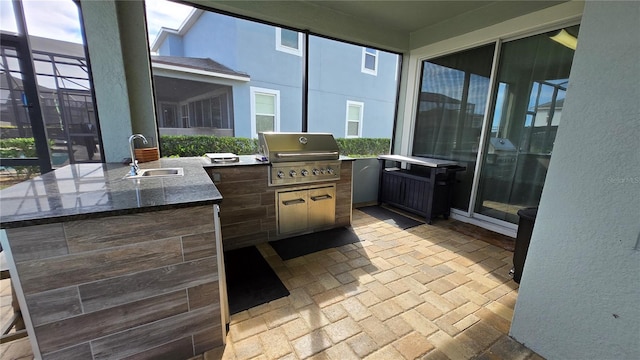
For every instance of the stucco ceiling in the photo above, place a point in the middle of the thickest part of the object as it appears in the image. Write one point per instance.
(408, 16)
(395, 25)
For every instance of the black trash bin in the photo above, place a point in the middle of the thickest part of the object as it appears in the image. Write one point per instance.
(523, 238)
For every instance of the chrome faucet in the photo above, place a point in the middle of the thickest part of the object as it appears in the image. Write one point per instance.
(134, 162)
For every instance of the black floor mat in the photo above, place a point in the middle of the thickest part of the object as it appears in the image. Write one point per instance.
(390, 217)
(250, 280)
(306, 244)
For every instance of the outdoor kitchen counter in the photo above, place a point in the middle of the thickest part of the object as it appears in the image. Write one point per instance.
(110, 268)
(249, 214)
(251, 160)
(83, 191)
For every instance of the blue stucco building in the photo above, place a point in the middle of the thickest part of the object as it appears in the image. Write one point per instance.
(228, 76)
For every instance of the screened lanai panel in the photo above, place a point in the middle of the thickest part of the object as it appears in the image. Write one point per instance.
(64, 83)
(14, 119)
(345, 96)
(216, 74)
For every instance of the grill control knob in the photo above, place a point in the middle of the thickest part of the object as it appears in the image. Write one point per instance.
(293, 173)
(304, 172)
(315, 172)
(330, 171)
(280, 174)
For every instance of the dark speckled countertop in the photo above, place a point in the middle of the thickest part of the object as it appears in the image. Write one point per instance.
(243, 160)
(83, 191)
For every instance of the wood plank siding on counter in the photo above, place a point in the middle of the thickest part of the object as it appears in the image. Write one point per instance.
(126, 286)
(248, 211)
(106, 267)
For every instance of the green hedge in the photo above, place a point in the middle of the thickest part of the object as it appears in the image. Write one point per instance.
(16, 147)
(198, 145)
(363, 147)
(184, 146)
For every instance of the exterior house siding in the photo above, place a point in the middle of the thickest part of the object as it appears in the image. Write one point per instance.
(335, 75)
(172, 45)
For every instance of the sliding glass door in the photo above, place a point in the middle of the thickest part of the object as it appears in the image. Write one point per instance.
(532, 80)
(451, 107)
(513, 141)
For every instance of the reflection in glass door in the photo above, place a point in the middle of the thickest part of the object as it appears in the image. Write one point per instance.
(50, 119)
(16, 135)
(531, 83)
(451, 107)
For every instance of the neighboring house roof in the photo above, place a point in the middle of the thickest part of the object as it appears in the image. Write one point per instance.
(437, 97)
(197, 66)
(201, 66)
(181, 30)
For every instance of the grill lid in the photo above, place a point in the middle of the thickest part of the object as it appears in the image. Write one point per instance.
(285, 147)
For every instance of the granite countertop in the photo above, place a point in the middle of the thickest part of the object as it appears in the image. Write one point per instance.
(81, 191)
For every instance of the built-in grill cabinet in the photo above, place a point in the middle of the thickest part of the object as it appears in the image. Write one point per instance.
(302, 187)
(307, 208)
(305, 159)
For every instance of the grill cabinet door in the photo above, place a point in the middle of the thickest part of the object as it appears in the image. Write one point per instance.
(322, 206)
(292, 211)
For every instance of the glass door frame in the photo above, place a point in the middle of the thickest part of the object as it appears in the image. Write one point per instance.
(470, 215)
(484, 138)
(501, 226)
(19, 40)
(20, 43)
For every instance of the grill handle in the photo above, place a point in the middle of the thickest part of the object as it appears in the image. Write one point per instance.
(321, 197)
(293, 202)
(310, 153)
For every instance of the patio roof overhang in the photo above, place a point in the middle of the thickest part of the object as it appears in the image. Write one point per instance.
(195, 69)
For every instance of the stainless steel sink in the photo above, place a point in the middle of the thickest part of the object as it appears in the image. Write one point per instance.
(154, 173)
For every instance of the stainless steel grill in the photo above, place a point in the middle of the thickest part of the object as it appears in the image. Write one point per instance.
(300, 158)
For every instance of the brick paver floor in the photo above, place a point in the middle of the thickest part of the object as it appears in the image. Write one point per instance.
(429, 292)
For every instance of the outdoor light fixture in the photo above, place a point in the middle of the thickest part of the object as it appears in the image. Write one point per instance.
(566, 39)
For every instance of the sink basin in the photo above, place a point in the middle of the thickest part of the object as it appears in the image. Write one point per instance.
(154, 173)
(161, 172)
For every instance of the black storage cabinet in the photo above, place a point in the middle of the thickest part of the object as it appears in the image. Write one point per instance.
(425, 191)
(523, 238)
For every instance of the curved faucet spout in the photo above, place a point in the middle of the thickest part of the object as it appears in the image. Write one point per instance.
(134, 162)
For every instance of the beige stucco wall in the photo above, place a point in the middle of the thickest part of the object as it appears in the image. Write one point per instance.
(579, 297)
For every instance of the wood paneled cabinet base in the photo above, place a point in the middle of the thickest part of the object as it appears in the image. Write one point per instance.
(426, 191)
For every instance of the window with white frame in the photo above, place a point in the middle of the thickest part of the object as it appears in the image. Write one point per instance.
(370, 61)
(289, 41)
(355, 112)
(265, 110)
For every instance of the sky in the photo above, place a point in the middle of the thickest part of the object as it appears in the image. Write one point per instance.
(58, 19)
